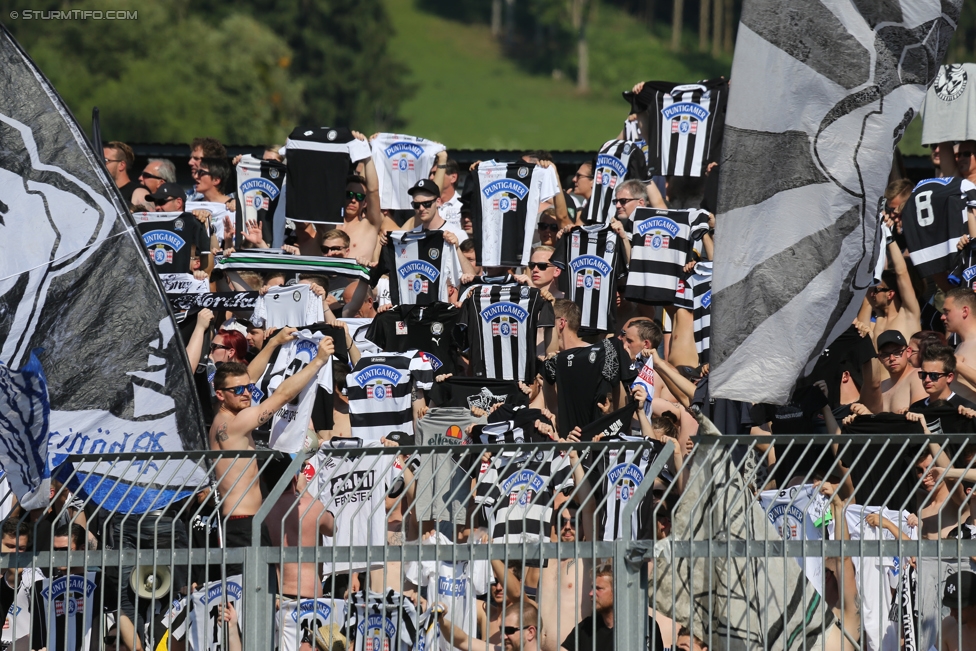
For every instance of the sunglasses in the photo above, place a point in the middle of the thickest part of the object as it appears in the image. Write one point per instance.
(417, 205)
(541, 266)
(358, 196)
(622, 202)
(931, 375)
(965, 154)
(214, 347)
(876, 290)
(512, 630)
(549, 227)
(238, 390)
(330, 249)
(147, 175)
(582, 176)
(199, 174)
(113, 160)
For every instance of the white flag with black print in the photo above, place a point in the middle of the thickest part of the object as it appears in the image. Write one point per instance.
(821, 94)
(89, 357)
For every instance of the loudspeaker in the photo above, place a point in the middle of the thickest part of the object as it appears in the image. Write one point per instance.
(150, 582)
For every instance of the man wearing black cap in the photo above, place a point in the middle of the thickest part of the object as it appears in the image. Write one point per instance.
(903, 386)
(189, 235)
(959, 596)
(426, 200)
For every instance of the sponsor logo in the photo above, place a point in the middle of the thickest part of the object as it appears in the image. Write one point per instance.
(658, 231)
(706, 299)
(522, 487)
(377, 373)
(452, 587)
(164, 238)
(432, 360)
(403, 156)
(609, 170)
(626, 477)
(590, 262)
(216, 592)
(377, 631)
(685, 109)
(260, 185)
(787, 519)
(505, 194)
(419, 267)
(315, 607)
(505, 318)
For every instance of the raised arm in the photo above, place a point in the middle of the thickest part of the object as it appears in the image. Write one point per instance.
(681, 387)
(558, 201)
(373, 212)
(440, 172)
(458, 637)
(908, 298)
(260, 362)
(194, 347)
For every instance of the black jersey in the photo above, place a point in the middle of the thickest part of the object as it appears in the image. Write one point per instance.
(483, 393)
(172, 238)
(427, 328)
(933, 219)
(258, 191)
(501, 326)
(421, 266)
(695, 295)
(318, 163)
(582, 377)
(505, 209)
(964, 267)
(682, 123)
(591, 261)
(883, 474)
(661, 247)
(617, 161)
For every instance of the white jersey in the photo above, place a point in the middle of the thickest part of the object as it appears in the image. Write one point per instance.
(353, 487)
(290, 422)
(298, 622)
(506, 210)
(457, 585)
(206, 628)
(294, 305)
(792, 513)
(17, 623)
(217, 212)
(357, 330)
(400, 162)
(384, 622)
(450, 211)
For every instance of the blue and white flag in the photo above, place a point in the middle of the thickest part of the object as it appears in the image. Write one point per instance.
(821, 93)
(89, 357)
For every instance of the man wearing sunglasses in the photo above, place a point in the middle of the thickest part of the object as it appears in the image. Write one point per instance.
(233, 431)
(958, 159)
(544, 273)
(937, 373)
(521, 632)
(156, 172)
(425, 198)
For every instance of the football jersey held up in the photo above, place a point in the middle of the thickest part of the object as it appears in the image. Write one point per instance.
(400, 162)
(318, 163)
(661, 246)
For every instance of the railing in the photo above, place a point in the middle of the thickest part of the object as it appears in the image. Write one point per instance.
(698, 543)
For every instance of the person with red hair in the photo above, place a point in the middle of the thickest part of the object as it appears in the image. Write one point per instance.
(229, 346)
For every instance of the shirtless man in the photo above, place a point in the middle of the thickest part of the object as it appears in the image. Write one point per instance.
(960, 624)
(959, 315)
(840, 586)
(903, 386)
(238, 479)
(362, 217)
(893, 301)
(565, 585)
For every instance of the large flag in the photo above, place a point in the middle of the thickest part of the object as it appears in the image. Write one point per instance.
(89, 357)
(821, 92)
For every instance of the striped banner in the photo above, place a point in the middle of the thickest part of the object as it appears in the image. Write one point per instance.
(277, 261)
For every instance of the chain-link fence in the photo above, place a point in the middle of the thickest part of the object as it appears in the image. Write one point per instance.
(834, 542)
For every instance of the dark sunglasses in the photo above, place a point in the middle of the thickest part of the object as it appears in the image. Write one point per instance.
(238, 390)
(330, 249)
(622, 202)
(214, 347)
(541, 266)
(147, 175)
(549, 227)
(931, 375)
(197, 174)
(358, 196)
(582, 176)
(965, 154)
(876, 290)
(512, 630)
(417, 205)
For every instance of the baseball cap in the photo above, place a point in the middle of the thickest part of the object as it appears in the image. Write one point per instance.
(426, 186)
(891, 337)
(960, 590)
(166, 192)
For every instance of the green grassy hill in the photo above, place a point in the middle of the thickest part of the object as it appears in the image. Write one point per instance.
(470, 96)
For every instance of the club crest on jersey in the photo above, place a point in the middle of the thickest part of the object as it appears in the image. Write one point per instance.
(505, 194)
(504, 318)
(609, 170)
(658, 231)
(378, 631)
(706, 299)
(626, 477)
(263, 186)
(522, 487)
(685, 116)
(589, 271)
(403, 155)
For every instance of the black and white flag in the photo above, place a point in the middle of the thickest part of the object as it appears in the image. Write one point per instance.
(822, 93)
(89, 357)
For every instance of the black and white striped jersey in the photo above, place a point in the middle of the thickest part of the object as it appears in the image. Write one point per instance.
(501, 322)
(383, 622)
(661, 246)
(620, 472)
(423, 264)
(505, 209)
(517, 488)
(258, 190)
(380, 390)
(318, 163)
(682, 123)
(617, 161)
(590, 258)
(933, 219)
(400, 162)
(695, 294)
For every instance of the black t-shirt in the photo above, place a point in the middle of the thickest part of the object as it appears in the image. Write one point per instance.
(583, 636)
(922, 406)
(849, 352)
(170, 237)
(480, 392)
(128, 189)
(582, 376)
(883, 475)
(427, 328)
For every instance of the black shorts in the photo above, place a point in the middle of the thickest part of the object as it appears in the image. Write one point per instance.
(237, 533)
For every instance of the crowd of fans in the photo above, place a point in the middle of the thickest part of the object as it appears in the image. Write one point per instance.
(903, 366)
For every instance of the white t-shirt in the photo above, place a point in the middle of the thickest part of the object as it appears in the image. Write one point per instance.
(17, 624)
(294, 306)
(206, 625)
(450, 210)
(400, 162)
(792, 513)
(298, 621)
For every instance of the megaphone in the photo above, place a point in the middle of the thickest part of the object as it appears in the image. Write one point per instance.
(150, 582)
